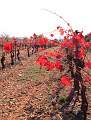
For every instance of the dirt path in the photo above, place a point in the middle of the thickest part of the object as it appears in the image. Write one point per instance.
(15, 94)
(26, 100)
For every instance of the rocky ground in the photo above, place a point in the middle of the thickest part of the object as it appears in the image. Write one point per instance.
(28, 93)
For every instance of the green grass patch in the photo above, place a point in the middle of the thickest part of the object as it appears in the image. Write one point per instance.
(33, 73)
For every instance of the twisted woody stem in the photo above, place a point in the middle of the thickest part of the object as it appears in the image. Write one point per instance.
(78, 88)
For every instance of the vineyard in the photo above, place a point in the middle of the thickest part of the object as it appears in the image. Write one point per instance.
(43, 79)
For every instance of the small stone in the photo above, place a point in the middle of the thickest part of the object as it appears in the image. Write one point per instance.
(19, 75)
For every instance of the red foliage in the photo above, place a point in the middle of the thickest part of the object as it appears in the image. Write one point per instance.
(58, 65)
(41, 49)
(87, 44)
(88, 64)
(42, 60)
(50, 66)
(89, 34)
(81, 53)
(65, 80)
(41, 41)
(7, 47)
(68, 44)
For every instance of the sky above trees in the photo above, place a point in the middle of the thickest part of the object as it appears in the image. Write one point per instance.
(25, 17)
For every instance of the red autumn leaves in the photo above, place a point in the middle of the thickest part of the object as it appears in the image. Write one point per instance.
(7, 47)
(71, 41)
(65, 81)
(44, 62)
(88, 64)
(42, 41)
(68, 44)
